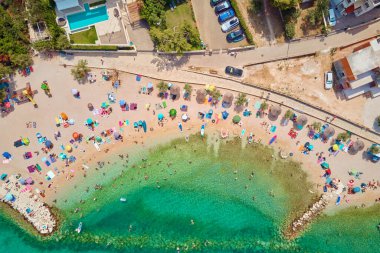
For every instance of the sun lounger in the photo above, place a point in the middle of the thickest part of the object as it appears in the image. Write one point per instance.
(97, 146)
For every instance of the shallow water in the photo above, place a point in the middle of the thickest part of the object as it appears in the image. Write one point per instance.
(201, 202)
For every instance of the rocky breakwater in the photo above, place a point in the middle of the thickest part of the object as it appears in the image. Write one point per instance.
(306, 218)
(21, 198)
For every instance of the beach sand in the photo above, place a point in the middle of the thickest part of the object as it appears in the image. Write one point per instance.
(61, 83)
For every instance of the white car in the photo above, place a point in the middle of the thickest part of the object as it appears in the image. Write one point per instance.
(328, 80)
(332, 19)
(230, 24)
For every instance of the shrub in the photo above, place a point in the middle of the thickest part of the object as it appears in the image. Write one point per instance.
(264, 106)
(289, 113)
(97, 48)
(290, 30)
(242, 22)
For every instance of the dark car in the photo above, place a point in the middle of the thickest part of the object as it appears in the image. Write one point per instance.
(215, 2)
(235, 36)
(222, 7)
(226, 15)
(234, 71)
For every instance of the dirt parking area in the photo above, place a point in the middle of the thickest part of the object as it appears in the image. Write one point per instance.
(209, 27)
(303, 78)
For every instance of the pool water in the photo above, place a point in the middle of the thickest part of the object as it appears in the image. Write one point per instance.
(87, 17)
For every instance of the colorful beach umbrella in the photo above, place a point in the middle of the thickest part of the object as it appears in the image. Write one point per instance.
(335, 147)
(25, 141)
(7, 155)
(122, 103)
(75, 136)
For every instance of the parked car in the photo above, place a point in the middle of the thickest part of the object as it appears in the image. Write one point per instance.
(226, 15)
(230, 24)
(234, 71)
(235, 36)
(215, 2)
(332, 19)
(222, 7)
(329, 80)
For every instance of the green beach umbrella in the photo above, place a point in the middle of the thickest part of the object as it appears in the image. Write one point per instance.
(98, 139)
(236, 119)
(44, 86)
(173, 113)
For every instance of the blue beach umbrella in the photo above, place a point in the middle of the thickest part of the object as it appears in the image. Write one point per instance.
(122, 102)
(150, 85)
(7, 155)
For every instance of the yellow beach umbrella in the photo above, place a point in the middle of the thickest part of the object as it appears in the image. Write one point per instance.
(68, 148)
(335, 147)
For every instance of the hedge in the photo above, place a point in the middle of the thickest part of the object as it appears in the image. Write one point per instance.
(98, 3)
(242, 22)
(88, 47)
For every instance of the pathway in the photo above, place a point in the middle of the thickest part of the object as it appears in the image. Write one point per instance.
(272, 39)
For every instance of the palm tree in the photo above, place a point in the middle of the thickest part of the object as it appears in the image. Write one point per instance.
(343, 136)
(317, 126)
(215, 94)
(80, 71)
(264, 106)
(162, 87)
(188, 90)
(241, 100)
(288, 114)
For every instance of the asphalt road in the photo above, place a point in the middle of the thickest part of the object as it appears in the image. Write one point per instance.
(209, 27)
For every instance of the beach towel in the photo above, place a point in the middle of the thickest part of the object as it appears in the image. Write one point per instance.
(97, 146)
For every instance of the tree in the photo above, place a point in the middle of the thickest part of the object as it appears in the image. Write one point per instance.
(162, 86)
(343, 136)
(241, 100)
(81, 70)
(153, 11)
(21, 60)
(5, 70)
(263, 106)
(215, 94)
(2, 95)
(284, 4)
(169, 41)
(289, 113)
(374, 149)
(188, 89)
(290, 30)
(62, 42)
(317, 126)
(191, 35)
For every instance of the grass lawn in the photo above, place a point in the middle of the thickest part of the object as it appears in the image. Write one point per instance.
(86, 37)
(182, 13)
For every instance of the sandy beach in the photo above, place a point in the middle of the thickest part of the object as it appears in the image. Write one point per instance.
(27, 121)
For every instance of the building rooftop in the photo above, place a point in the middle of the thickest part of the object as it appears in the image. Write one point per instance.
(66, 4)
(365, 59)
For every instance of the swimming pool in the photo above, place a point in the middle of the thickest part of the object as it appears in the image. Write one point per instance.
(87, 17)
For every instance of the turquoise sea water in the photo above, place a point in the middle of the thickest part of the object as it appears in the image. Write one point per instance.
(87, 17)
(186, 196)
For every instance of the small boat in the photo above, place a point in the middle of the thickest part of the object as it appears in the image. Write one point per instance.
(202, 130)
(123, 199)
(79, 228)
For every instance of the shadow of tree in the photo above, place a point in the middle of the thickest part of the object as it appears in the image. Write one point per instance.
(170, 62)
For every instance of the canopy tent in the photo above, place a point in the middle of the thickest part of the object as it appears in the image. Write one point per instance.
(329, 132)
(201, 96)
(227, 99)
(275, 111)
(175, 92)
(358, 145)
(173, 113)
(236, 119)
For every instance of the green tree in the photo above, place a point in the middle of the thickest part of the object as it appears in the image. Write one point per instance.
(153, 11)
(215, 94)
(21, 60)
(188, 89)
(374, 149)
(2, 95)
(263, 106)
(289, 113)
(169, 40)
(162, 86)
(191, 35)
(284, 4)
(343, 136)
(5, 70)
(290, 30)
(80, 71)
(241, 100)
